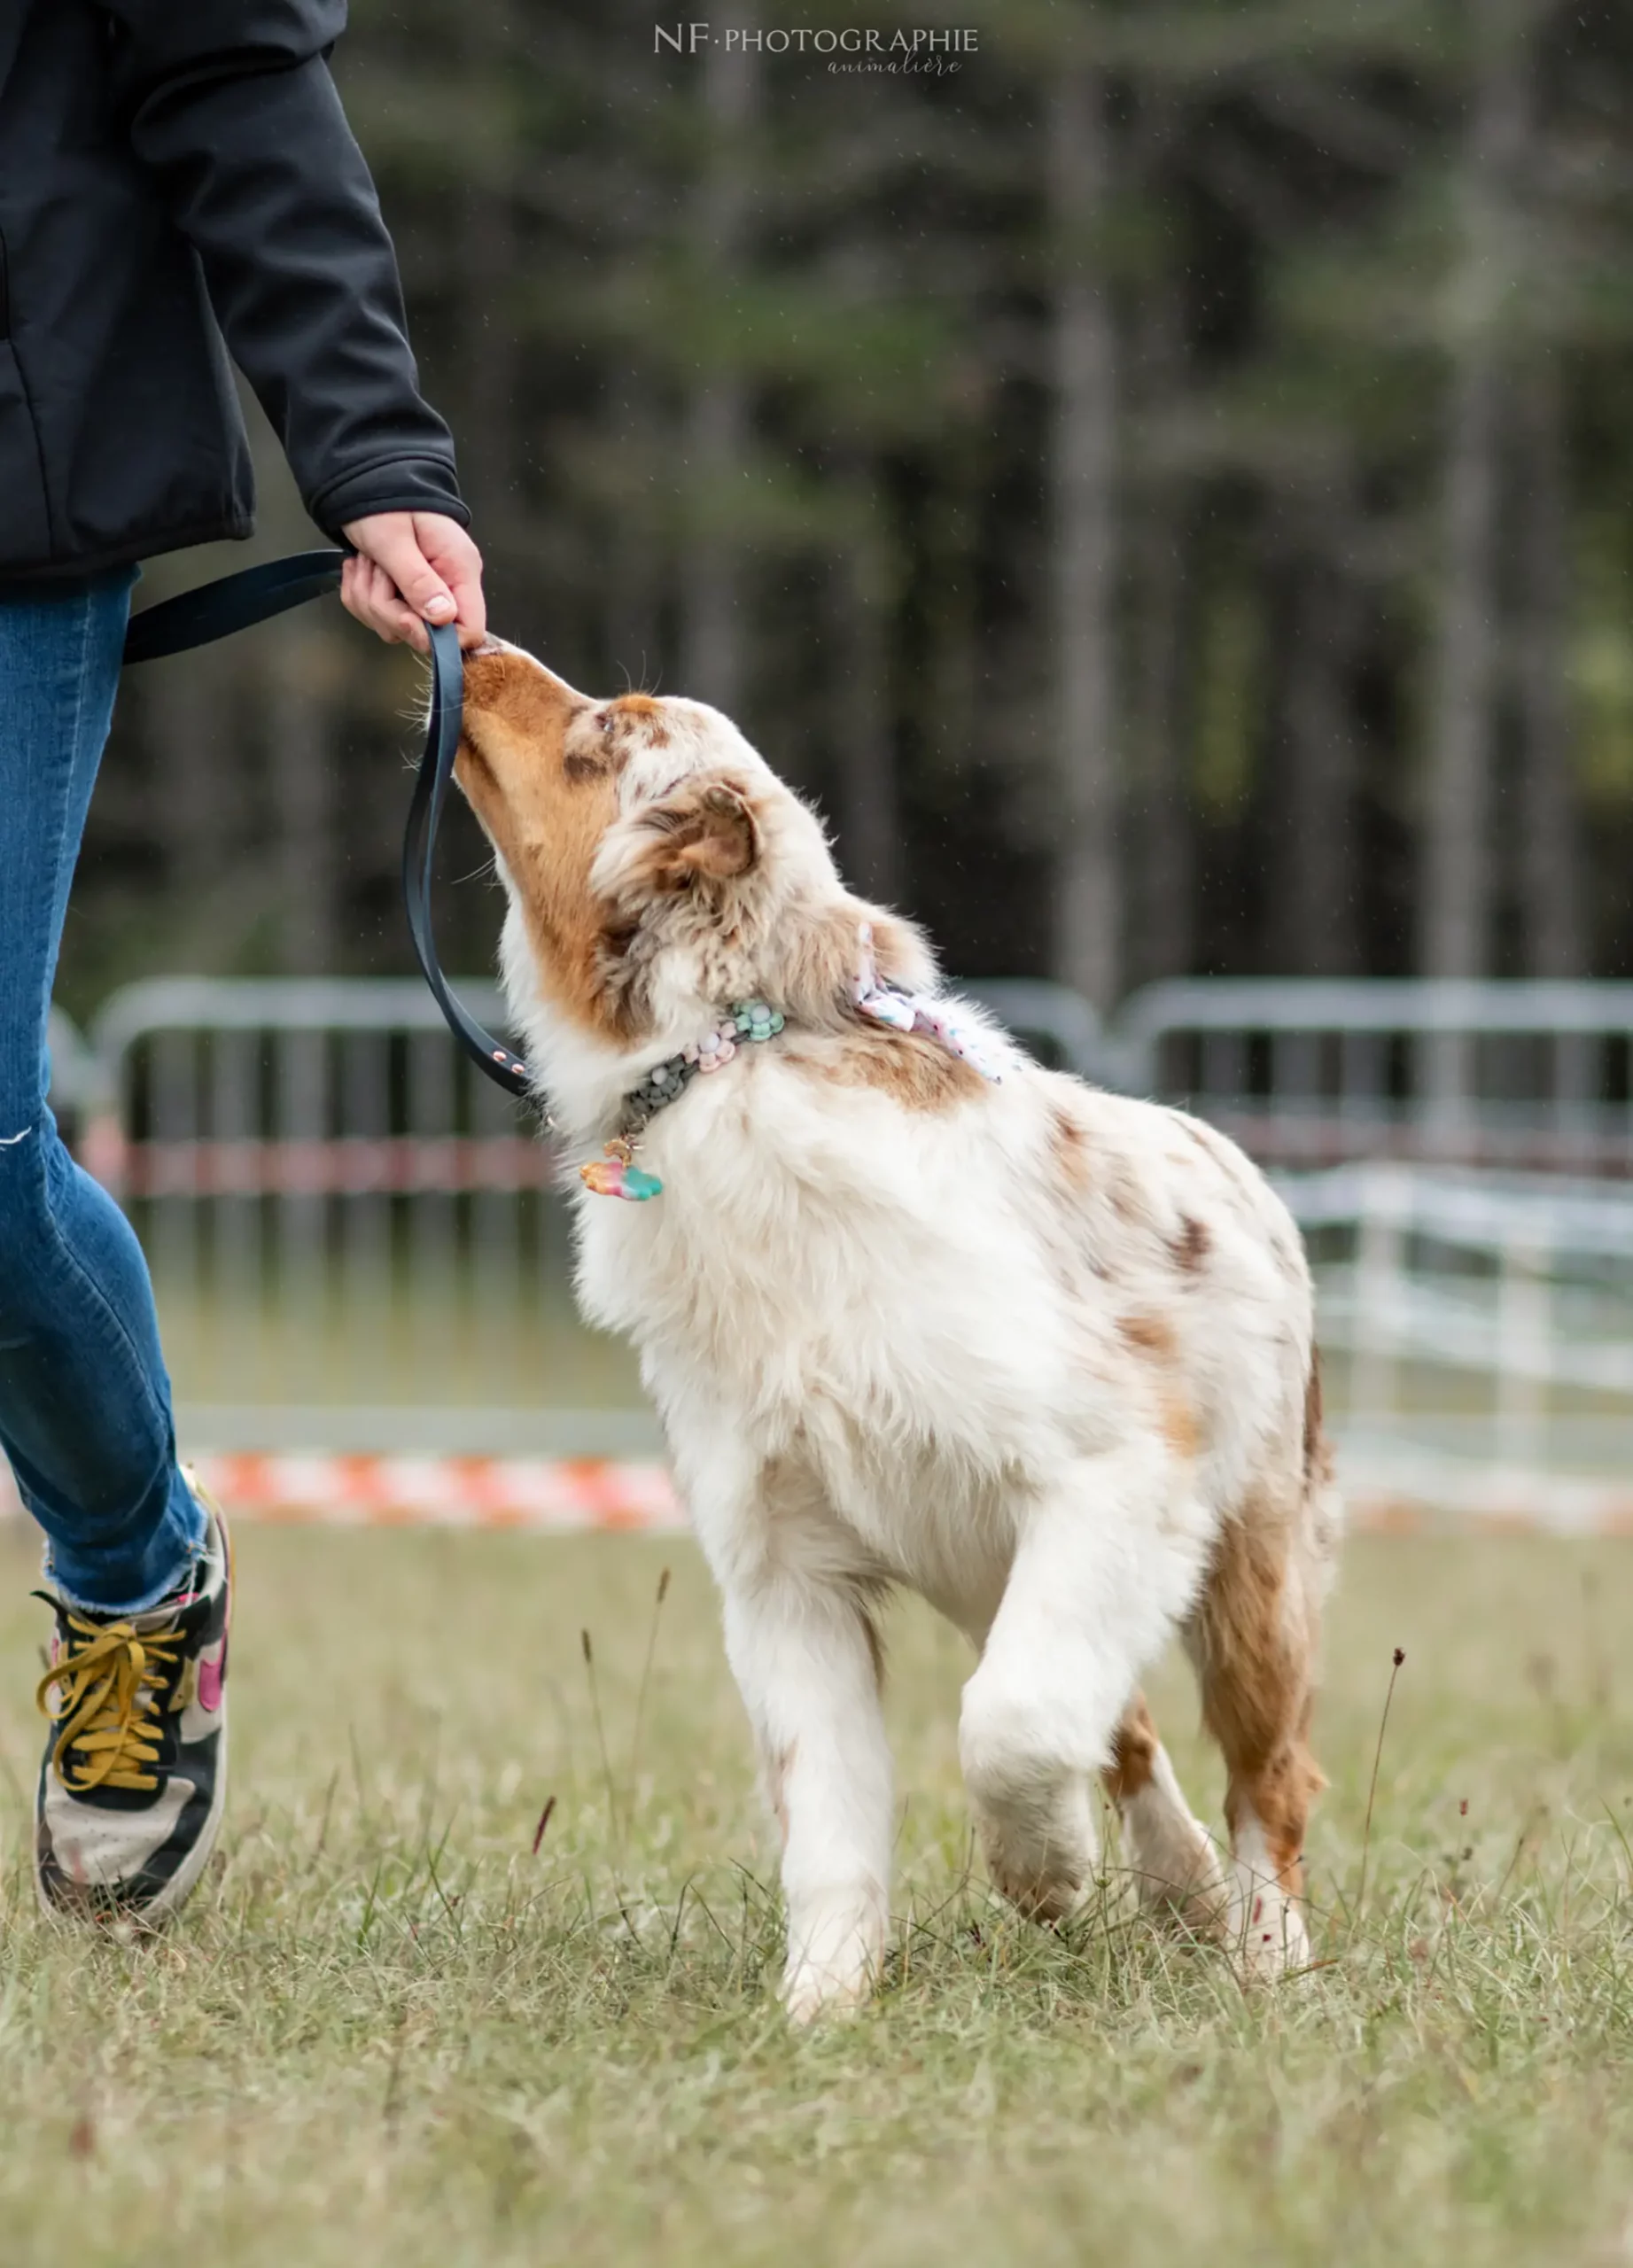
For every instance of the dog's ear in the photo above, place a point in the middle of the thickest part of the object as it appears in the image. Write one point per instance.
(705, 832)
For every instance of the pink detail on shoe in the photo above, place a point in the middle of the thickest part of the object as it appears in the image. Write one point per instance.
(211, 1674)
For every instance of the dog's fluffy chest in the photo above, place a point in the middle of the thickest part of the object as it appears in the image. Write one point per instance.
(879, 1333)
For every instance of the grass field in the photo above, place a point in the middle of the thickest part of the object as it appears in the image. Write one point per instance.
(388, 2033)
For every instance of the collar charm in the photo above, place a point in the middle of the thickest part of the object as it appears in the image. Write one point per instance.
(616, 1174)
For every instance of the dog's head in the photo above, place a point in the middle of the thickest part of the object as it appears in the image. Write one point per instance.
(656, 865)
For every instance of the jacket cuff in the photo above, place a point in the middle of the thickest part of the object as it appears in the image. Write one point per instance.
(399, 484)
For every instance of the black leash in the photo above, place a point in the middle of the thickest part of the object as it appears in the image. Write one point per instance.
(216, 611)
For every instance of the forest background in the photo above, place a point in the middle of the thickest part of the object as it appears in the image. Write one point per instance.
(1157, 475)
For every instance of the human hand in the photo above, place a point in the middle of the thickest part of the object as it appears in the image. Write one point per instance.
(412, 568)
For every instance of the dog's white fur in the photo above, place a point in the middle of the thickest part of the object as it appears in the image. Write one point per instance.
(1036, 1351)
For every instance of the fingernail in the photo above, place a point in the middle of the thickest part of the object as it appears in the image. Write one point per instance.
(438, 610)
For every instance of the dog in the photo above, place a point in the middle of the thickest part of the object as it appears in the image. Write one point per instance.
(915, 1310)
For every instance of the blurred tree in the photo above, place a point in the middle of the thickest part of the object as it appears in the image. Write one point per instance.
(1156, 491)
(1455, 905)
(1081, 473)
(717, 434)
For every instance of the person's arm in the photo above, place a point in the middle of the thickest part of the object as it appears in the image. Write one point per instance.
(230, 106)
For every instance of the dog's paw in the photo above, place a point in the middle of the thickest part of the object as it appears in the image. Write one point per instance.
(1044, 1862)
(836, 1953)
(810, 1992)
(1044, 1894)
(1181, 1880)
(1271, 1939)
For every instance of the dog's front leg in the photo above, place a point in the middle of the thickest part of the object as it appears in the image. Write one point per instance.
(807, 1662)
(1096, 1586)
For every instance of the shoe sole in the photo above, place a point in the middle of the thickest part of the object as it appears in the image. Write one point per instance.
(176, 1892)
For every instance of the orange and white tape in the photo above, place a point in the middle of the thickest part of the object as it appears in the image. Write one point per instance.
(566, 1496)
(559, 1494)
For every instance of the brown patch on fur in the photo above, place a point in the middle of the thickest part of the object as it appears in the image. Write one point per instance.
(1070, 1146)
(917, 1073)
(1178, 1423)
(650, 712)
(1127, 1197)
(1192, 1244)
(1151, 1336)
(1134, 1754)
(1254, 1641)
(1318, 1450)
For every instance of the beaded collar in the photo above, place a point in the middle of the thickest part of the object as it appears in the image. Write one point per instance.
(616, 1174)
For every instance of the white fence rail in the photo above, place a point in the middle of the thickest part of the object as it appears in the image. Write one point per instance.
(1478, 1332)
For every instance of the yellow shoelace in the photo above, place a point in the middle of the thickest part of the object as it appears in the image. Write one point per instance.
(103, 1707)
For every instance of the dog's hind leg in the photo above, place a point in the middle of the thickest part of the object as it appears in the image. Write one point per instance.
(1094, 1592)
(1253, 1639)
(1171, 1855)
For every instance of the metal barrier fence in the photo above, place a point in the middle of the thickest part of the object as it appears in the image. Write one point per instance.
(1529, 1077)
(358, 1244)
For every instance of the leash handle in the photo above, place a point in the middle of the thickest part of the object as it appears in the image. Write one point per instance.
(256, 595)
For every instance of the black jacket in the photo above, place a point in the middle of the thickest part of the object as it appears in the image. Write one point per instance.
(170, 171)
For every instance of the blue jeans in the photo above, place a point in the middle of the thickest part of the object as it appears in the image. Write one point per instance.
(84, 1398)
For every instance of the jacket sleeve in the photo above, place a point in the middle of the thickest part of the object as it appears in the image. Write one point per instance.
(230, 106)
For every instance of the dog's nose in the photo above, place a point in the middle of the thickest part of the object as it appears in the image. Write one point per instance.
(499, 674)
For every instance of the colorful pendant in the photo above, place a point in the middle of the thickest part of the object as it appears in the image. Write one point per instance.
(616, 1174)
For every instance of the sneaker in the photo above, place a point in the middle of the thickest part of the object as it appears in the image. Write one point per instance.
(134, 1775)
